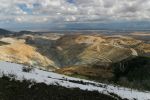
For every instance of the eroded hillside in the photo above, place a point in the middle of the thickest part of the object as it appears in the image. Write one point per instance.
(89, 49)
(19, 52)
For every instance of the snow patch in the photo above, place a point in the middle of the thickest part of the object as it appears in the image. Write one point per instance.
(50, 78)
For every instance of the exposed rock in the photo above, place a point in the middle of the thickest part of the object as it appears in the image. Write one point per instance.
(19, 52)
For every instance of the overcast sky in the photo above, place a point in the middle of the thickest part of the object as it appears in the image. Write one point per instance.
(46, 14)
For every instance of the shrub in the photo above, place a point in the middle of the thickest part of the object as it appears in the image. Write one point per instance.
(27, 69)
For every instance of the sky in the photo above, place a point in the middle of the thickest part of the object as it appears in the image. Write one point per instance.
(58, 14)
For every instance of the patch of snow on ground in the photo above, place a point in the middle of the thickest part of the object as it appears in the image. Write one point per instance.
(51, 78)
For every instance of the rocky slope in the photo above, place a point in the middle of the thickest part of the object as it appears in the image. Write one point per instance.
(86, 50)
(19, 52)
(121, 59)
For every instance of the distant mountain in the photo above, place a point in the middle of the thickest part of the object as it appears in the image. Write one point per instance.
(23, 32)
(26, 32)
(111, 26)
(4, 32)
(7, 32)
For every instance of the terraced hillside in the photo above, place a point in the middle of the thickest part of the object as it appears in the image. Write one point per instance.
(88, 50)
(116, 59)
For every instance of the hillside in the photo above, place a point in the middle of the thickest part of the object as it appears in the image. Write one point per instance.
(39, 81)
(89, 49)
(112, 59)
(17, 51)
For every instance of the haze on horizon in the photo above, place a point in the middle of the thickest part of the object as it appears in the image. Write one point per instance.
(64, 14)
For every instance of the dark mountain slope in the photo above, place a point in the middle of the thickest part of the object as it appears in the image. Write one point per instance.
(5, 32)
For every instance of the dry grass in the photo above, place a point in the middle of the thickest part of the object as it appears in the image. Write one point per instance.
(95, 72)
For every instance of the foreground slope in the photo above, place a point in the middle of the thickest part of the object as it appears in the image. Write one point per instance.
(16, 90)
(19, 72)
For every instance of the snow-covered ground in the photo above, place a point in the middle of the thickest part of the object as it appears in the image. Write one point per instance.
(51, 78)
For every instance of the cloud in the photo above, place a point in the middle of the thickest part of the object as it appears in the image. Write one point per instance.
(41, 11)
